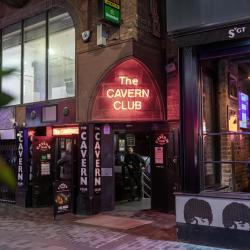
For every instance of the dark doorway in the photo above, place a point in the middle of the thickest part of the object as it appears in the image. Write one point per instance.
(47, 151)
(126, 189)
(43, 170)
(67, 145)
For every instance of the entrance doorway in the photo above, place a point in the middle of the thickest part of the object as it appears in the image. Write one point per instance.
(47, 151)
(67, 145)
(128, 182)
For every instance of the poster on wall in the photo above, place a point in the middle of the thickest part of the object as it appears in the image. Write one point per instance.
(97, 159)
(232, 119)
(222, 212)
(84, 155)
(62, 197)
(158, 155)
(43, 148)
(160, 142)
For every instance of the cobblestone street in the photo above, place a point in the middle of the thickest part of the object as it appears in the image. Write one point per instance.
(35, 229)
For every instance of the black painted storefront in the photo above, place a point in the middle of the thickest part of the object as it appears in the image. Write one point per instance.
(196, 45)
(95, 197)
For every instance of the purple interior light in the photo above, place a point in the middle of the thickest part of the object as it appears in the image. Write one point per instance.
(243, 110)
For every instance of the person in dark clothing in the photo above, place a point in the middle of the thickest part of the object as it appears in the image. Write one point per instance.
(134, 164)
(65, 164)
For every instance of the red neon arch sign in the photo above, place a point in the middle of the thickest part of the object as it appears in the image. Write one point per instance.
(127, 93)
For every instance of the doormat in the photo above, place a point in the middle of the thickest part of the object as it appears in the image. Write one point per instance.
(113, 222)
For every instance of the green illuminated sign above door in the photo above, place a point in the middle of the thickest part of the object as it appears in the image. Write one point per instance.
(112, 11)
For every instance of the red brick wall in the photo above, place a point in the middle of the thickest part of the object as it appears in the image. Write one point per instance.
(134, 37)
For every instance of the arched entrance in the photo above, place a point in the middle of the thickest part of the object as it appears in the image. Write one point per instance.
(127, 93)
(128, 106)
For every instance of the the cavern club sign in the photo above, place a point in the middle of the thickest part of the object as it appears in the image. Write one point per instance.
(127, 92)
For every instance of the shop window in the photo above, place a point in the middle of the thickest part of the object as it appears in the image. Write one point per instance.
(34, 59)
(61, 69)
(226, 125)
(11, 59)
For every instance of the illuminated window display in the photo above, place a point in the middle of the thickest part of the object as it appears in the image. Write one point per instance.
(226, 137)
(243, 110)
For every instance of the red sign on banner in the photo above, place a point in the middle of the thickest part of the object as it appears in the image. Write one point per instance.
(127, 93)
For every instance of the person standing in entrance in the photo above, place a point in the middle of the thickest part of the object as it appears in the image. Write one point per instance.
(135, 164)
(65, 163)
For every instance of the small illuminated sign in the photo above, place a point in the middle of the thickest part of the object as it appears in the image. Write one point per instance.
(128, 92)
(161, 140)
(243, 110)
(31, 132)
(66, 131)
(43, 146)
(112, 11)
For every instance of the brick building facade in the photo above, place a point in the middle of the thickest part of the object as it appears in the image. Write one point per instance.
(139, 41)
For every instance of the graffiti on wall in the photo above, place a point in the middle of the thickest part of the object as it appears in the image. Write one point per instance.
(236, 216)
(198, 212)
(219, 212)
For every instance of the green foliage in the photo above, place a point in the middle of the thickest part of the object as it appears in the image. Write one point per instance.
(7, 176)
(4, 98)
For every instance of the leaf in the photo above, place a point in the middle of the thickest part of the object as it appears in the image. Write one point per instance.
(5, 99)
(6, 72)
(7, 175)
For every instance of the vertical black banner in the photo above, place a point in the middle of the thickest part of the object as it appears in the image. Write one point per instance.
(97, 159)
(84, 156)
(30, 158)
(22, 170)
(20, 157)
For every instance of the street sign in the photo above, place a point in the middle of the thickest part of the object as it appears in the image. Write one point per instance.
(112, 11)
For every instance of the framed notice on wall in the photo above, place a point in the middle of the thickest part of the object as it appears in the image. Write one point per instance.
(232, 119)
(232, 86)
(158, 155)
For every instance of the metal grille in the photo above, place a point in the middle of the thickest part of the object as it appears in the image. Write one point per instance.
(8, 151)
